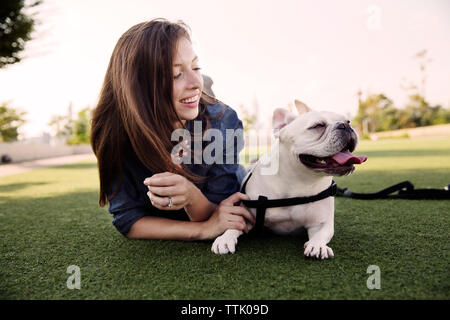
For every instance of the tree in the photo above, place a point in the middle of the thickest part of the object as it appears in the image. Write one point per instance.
(377, 112)
(387, 117)
(423, 114)
(62, 126)
(72, 131)
(369, 118)
(15, 29)
(10, 121)
(442, 115)
(248, 120)
(81, 127)
(418, 109)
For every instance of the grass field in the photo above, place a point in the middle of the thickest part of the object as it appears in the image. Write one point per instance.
(49, 220)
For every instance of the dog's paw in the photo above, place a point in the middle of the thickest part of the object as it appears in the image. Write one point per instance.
(224, 244)
(316, 249)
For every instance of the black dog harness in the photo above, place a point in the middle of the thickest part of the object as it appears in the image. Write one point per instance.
(263, 203)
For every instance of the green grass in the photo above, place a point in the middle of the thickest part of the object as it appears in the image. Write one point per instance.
(49, 220)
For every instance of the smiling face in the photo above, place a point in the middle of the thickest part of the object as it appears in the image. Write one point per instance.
(321, 134)
(187, 81)
(320, 141)
(330, 143)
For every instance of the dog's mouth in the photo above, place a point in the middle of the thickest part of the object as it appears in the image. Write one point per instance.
(339, 164)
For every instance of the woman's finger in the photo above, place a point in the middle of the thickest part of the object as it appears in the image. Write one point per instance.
(161, 174)
(235, 198)
(241, 211)
(164, 191)
(162, 203)
(235, 218)
(238, 220)
(167, 180)
(156, 200)
(157, 176)
(239, 226)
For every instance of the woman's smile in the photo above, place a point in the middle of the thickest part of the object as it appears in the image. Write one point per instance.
(191, 101)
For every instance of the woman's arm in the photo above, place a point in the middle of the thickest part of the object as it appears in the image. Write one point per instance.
(165, 229)
(227, 215)
(199, 208)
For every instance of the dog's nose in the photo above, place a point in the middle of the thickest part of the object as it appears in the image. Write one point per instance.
(343, 126)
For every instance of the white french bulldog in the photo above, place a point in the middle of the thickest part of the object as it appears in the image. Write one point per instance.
(310, 149)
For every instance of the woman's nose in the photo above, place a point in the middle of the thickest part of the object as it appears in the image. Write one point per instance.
(195, 80)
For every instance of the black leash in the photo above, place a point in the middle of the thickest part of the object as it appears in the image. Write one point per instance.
(405, 190)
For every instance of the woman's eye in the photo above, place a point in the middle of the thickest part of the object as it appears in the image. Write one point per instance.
(179, 75)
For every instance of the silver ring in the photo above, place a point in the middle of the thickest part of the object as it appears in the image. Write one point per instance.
(170, 202)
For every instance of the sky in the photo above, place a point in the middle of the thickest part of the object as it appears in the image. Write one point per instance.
(264, 53)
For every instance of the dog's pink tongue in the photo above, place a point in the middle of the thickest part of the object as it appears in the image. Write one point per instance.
(345, 157)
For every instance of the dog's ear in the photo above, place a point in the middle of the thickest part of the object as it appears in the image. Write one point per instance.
(280, 118)
(301, 107)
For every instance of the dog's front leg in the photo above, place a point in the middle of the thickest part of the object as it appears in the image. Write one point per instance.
(226, 242)
(319, 236)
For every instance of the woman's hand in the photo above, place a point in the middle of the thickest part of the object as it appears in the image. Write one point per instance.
(161, 186)
(228, 215)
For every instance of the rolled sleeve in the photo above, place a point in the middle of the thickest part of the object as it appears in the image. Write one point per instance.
(123, 221)
(127, 207)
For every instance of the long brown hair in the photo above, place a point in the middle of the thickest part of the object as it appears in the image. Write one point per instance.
(135, 108)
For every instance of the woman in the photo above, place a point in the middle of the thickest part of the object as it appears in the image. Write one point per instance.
(152, 87)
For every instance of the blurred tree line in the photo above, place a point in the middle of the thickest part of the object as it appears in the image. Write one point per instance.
(72, 131)
(378, 113)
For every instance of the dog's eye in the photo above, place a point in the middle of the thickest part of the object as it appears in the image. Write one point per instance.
(318, 126)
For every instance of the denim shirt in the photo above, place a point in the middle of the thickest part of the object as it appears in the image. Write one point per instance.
(131, 201)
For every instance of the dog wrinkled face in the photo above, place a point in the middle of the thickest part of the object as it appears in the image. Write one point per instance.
(321, 141)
